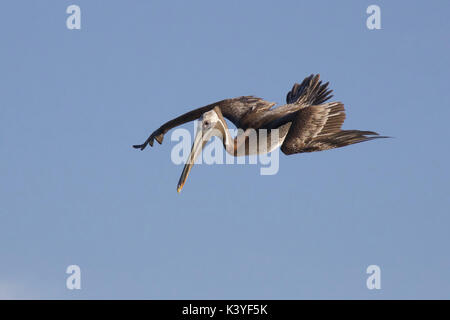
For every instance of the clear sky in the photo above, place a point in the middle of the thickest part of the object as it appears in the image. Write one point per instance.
(74, 192)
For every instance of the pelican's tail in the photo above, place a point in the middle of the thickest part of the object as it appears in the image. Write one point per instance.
(318, 128)
(348, 137)
(310, 92)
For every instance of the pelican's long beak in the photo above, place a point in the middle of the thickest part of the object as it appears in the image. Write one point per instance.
(197, 146)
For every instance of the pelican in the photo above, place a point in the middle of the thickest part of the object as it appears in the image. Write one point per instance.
(306, 123)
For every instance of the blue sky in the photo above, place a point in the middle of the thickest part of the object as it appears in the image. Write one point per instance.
(73, 191)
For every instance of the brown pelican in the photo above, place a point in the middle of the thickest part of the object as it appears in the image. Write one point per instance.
(307, 123)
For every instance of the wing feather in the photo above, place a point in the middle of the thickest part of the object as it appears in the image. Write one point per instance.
(310, 92)
(311, 123)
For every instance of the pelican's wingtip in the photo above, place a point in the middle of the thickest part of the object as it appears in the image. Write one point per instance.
(140, 146)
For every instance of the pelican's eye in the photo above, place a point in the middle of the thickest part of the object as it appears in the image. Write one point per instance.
(206, 123)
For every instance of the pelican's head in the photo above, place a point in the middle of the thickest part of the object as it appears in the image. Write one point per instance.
(209, 126)
(209, 121)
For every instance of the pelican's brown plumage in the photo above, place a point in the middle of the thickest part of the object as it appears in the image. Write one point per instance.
(307, 123)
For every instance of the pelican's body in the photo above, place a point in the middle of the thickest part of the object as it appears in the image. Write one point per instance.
(246, 142)
(305, 124)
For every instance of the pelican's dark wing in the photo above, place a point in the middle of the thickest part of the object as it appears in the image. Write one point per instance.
(317, 128)
(310, 92)
(232, 109)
